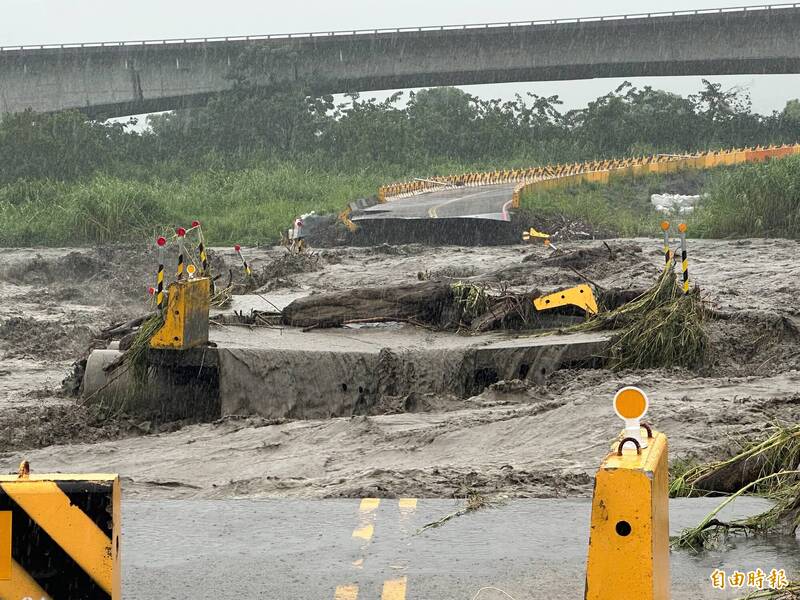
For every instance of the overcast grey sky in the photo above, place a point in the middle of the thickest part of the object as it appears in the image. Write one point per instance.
(64, 21)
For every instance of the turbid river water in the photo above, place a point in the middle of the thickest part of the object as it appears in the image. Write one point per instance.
(299, 549)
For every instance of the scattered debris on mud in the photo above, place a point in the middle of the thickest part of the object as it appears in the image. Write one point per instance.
(278, 272)
(500, 440)
(22, 337)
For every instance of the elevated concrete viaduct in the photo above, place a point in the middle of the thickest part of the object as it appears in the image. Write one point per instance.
(116, 79)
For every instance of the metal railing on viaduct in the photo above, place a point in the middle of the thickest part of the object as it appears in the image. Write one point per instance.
(119, 78)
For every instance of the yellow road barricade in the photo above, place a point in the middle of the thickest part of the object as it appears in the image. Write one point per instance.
(629, 536)
(59, 536)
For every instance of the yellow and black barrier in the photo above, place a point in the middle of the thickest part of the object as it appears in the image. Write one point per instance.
(201, 248)
(59, 537)
(181, 234)
(160, 287)
(186, 318)
(684, 258)
(629, 536)
(161, 242)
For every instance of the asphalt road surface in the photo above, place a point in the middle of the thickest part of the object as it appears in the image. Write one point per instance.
(373, 549)
(484, 202)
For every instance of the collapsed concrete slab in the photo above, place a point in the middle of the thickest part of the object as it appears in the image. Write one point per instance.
(285, 372)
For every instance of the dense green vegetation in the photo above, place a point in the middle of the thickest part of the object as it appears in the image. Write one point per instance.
(621, 207)
(752, 200)
(252, 158)
(249, 205)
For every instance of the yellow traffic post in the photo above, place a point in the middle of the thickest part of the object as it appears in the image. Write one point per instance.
(186, 318)
(59, 536)
(629, 537)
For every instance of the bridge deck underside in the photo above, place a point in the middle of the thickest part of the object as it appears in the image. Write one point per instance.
(115, 80)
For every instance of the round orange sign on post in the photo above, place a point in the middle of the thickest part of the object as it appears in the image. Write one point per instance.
(631, 404)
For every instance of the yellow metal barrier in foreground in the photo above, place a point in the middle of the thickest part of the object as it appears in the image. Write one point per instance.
(59, 536)
(186, 317)
(629, 539)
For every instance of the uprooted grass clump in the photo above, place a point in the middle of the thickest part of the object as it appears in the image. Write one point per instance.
(136, 355)
(783, 518)
(769, 468)
(661, 328)
(470, 300)
(474, 502)
(134, 362)
(780, 451)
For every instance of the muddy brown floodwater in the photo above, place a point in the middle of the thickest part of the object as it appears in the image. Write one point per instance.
(513, 438)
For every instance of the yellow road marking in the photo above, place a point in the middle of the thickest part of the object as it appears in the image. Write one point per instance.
(346, 592)
(68, 525)
(21, 585)
(364, 532)
(394, 589)
(432, 211)
(408, 503)
(365, 529)
(358, 564)
(369, 504)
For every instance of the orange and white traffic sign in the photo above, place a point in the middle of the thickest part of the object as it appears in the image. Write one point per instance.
(630, 404)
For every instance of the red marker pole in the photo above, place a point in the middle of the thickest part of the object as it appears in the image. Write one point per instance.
(181, 233)
(247, 270)
(159, 291)
(201, 248)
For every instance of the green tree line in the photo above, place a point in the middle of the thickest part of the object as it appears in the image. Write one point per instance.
(254, 157)
(430, 129)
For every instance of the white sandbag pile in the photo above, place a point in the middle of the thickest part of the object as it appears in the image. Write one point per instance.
(674, 203)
